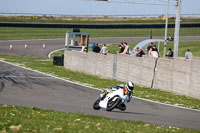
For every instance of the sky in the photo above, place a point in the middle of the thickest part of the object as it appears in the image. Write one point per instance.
(84, 7)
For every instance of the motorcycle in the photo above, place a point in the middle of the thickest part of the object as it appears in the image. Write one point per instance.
(110, 100)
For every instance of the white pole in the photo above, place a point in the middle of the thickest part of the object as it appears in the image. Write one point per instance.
(177, 28)
(166, 27)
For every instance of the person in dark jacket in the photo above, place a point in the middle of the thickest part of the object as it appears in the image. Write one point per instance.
(139, 52)
(97, 49)
(170, 53)
(93, 46)
(149, 48)
(121, 46)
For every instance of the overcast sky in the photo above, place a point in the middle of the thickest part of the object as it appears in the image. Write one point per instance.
(81, 7)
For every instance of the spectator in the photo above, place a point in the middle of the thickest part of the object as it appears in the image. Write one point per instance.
(149, 48)
(97, 48)
(154, 48)
(170, 53)
(139, 52)
(93, 46)
(153, 53)
(104, 50)
(121, 46)
(188, 54)
(126, 49)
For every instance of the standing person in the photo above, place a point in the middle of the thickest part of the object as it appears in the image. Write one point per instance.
(121, 46)
(126, 49)
(93, 46)
(170, 53)
(188, 54)
(154, 48)
(104, 50)
(97, 48)
(149, 48)
(153, 53)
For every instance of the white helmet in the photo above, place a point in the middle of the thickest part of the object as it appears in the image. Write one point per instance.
(130, 86)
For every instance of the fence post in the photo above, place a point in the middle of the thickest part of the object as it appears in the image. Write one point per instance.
(115, 67)
(154, 72)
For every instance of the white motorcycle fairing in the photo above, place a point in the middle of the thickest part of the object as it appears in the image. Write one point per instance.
(116, 94)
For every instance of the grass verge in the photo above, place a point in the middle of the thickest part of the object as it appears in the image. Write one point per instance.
(46, 66)
(34, 120)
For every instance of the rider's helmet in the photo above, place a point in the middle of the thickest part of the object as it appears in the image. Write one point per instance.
(130, 86)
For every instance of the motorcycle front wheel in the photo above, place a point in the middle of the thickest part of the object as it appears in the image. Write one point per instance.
(96, 104)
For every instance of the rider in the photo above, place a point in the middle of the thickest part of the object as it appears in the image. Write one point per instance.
(127, 89)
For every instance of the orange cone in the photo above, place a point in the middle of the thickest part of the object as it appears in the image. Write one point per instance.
(25, 46)
(11, 47)
(43, 46)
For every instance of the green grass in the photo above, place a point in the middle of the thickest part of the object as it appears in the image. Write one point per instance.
(58, 53)
(34, 120)
(194, 47)
(98, 82)
(13, 33)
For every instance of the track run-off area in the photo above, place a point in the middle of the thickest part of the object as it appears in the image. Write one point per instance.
(24, 87)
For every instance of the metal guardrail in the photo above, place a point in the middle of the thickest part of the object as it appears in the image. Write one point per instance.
(97, 26)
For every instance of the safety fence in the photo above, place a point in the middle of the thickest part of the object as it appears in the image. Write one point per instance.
(97, 26)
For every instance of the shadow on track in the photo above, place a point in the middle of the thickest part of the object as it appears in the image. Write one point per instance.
(126, 112)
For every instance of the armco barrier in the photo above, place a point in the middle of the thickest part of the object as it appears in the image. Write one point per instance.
(96, 26)
(174, 75)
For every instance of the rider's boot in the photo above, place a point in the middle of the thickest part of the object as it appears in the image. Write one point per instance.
(122, 107)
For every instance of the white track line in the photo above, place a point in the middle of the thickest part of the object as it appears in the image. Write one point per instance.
(49, 55)
(22, 77)
(97, 88)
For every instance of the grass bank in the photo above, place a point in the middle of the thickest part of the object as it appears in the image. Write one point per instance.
(46, 66)
(13, 33)
(34, 120)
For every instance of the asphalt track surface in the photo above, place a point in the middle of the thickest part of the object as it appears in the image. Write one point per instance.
(23, 87)
(19, 86)
(35, 46)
